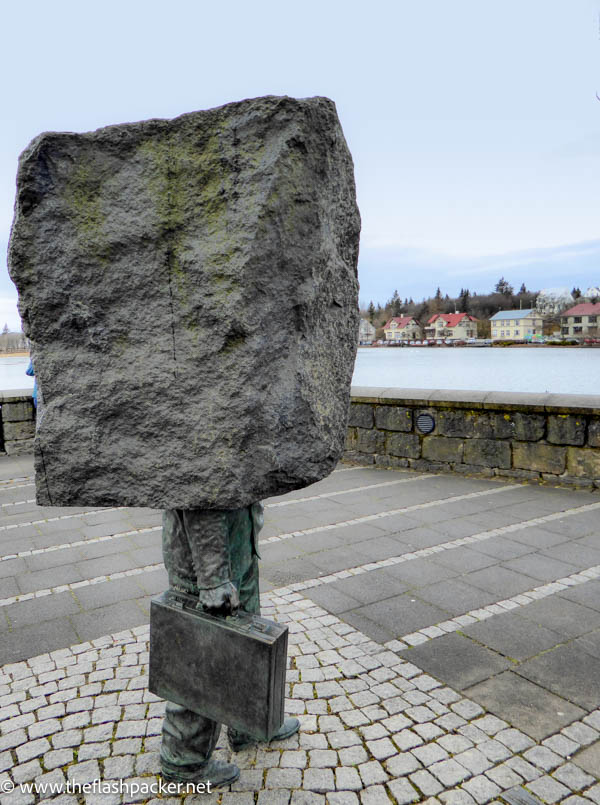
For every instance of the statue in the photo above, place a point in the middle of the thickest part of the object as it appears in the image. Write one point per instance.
(214, 556)
(189, 289)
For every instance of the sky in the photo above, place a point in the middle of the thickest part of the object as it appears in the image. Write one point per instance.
(474, 125)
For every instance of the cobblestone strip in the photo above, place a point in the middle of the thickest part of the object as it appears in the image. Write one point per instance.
(498, 608)
(15, 483)
(351, 469)
(370, 517)
(483, 535)
(16, 503)
(348, 491)
(423, 552)
(373, 726)
(62, 517)
(77, 543)
(75, 585)
(92, 540)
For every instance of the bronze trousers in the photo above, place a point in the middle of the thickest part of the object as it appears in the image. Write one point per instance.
(198, 547)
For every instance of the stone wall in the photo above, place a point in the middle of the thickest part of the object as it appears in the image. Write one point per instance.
(533, 437)
(18, 422)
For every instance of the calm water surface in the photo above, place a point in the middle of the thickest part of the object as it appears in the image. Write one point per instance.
(12, 374)
(558, 370)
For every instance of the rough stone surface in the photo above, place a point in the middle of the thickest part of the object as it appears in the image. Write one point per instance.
(190, 290)
(488, 453)
(594, 433)
(369, 441)
(392, 417)
(18, 447)
(474, 425)
(400, 444)
(17, 411)
(513, 442)
(566, 429)
(391, 461)
(360, 416)
(18, 430)
(457, 424)
(540, 457)
(583, 461)
(440, 449)
(528, 427)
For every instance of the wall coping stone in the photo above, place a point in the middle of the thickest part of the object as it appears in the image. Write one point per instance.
(15, 395)
(503, 400)
(468, 398)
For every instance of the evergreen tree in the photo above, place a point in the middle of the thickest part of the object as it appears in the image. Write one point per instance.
(396, 304)
(522, 289)
(435, 304)
(576, 293)
(504, 288)
(371, 311)
(463, 300)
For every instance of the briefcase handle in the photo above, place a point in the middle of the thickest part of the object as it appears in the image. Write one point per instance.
(254, 625)
(183, 601)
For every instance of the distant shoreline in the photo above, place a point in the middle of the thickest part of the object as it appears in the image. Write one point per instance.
(17, 354)
(500, 345)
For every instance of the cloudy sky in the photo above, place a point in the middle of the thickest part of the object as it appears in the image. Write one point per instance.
(474, 125)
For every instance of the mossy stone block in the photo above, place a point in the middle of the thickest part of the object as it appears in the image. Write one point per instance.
(361, 415)
(583, 462)
(394, 417)
(594, 433)
(17, 411)
(528, 427)
(539, 457)
(437, 448)
(190, 290)
(566, 429)
(487, 453)
(18, 430)
(405, 445)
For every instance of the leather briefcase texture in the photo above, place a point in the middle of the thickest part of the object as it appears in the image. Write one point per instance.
(229, 669)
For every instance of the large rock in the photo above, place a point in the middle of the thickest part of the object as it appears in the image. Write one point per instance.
(190, 290)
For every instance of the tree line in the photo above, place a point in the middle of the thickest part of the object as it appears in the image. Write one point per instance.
(481, 306)
(12, 342)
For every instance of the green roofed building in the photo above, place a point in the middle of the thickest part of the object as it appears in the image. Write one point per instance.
(517, 325)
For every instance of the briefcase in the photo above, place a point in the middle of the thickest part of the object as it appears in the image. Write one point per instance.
(229, 669)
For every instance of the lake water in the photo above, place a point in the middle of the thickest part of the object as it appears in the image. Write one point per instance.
(554, 369)
(558, 370)
(12, 374)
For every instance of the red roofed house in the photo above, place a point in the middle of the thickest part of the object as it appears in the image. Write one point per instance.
(581, 320)
(402, 328)
(458, 326)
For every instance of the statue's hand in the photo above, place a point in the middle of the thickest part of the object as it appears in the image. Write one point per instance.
(221, 600)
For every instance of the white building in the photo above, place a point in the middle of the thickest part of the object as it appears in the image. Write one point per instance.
(366, 332)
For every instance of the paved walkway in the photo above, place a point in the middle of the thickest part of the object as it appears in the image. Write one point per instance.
(444, 645)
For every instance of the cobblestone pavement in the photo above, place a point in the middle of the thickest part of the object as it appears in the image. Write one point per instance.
(444, 645)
